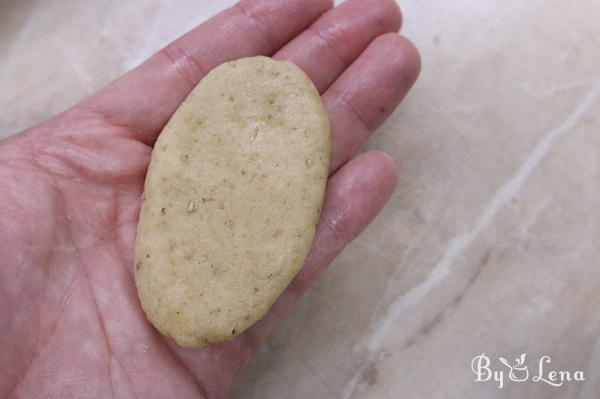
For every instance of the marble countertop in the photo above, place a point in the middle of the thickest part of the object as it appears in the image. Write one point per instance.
(490, 243)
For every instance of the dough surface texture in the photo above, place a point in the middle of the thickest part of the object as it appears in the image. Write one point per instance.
(232, 196)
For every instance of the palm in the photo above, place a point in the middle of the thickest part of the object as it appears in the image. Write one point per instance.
(71, 189)
(82, 311)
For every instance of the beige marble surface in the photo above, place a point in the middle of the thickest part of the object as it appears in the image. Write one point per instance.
(491, 241)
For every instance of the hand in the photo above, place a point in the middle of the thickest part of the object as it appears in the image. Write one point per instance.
(70, 188)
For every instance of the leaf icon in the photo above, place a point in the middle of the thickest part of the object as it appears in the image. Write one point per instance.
(523, 356)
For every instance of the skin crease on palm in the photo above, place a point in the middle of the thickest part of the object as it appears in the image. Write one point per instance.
(70, 190)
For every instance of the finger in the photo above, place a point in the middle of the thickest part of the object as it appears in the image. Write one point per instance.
(367, 92)
(334, 41)
(143, 100)
(355, 195)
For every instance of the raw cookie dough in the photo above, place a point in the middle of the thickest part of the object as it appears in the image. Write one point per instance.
(232, 196)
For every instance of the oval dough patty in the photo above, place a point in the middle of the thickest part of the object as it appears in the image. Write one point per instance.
(232, 196)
